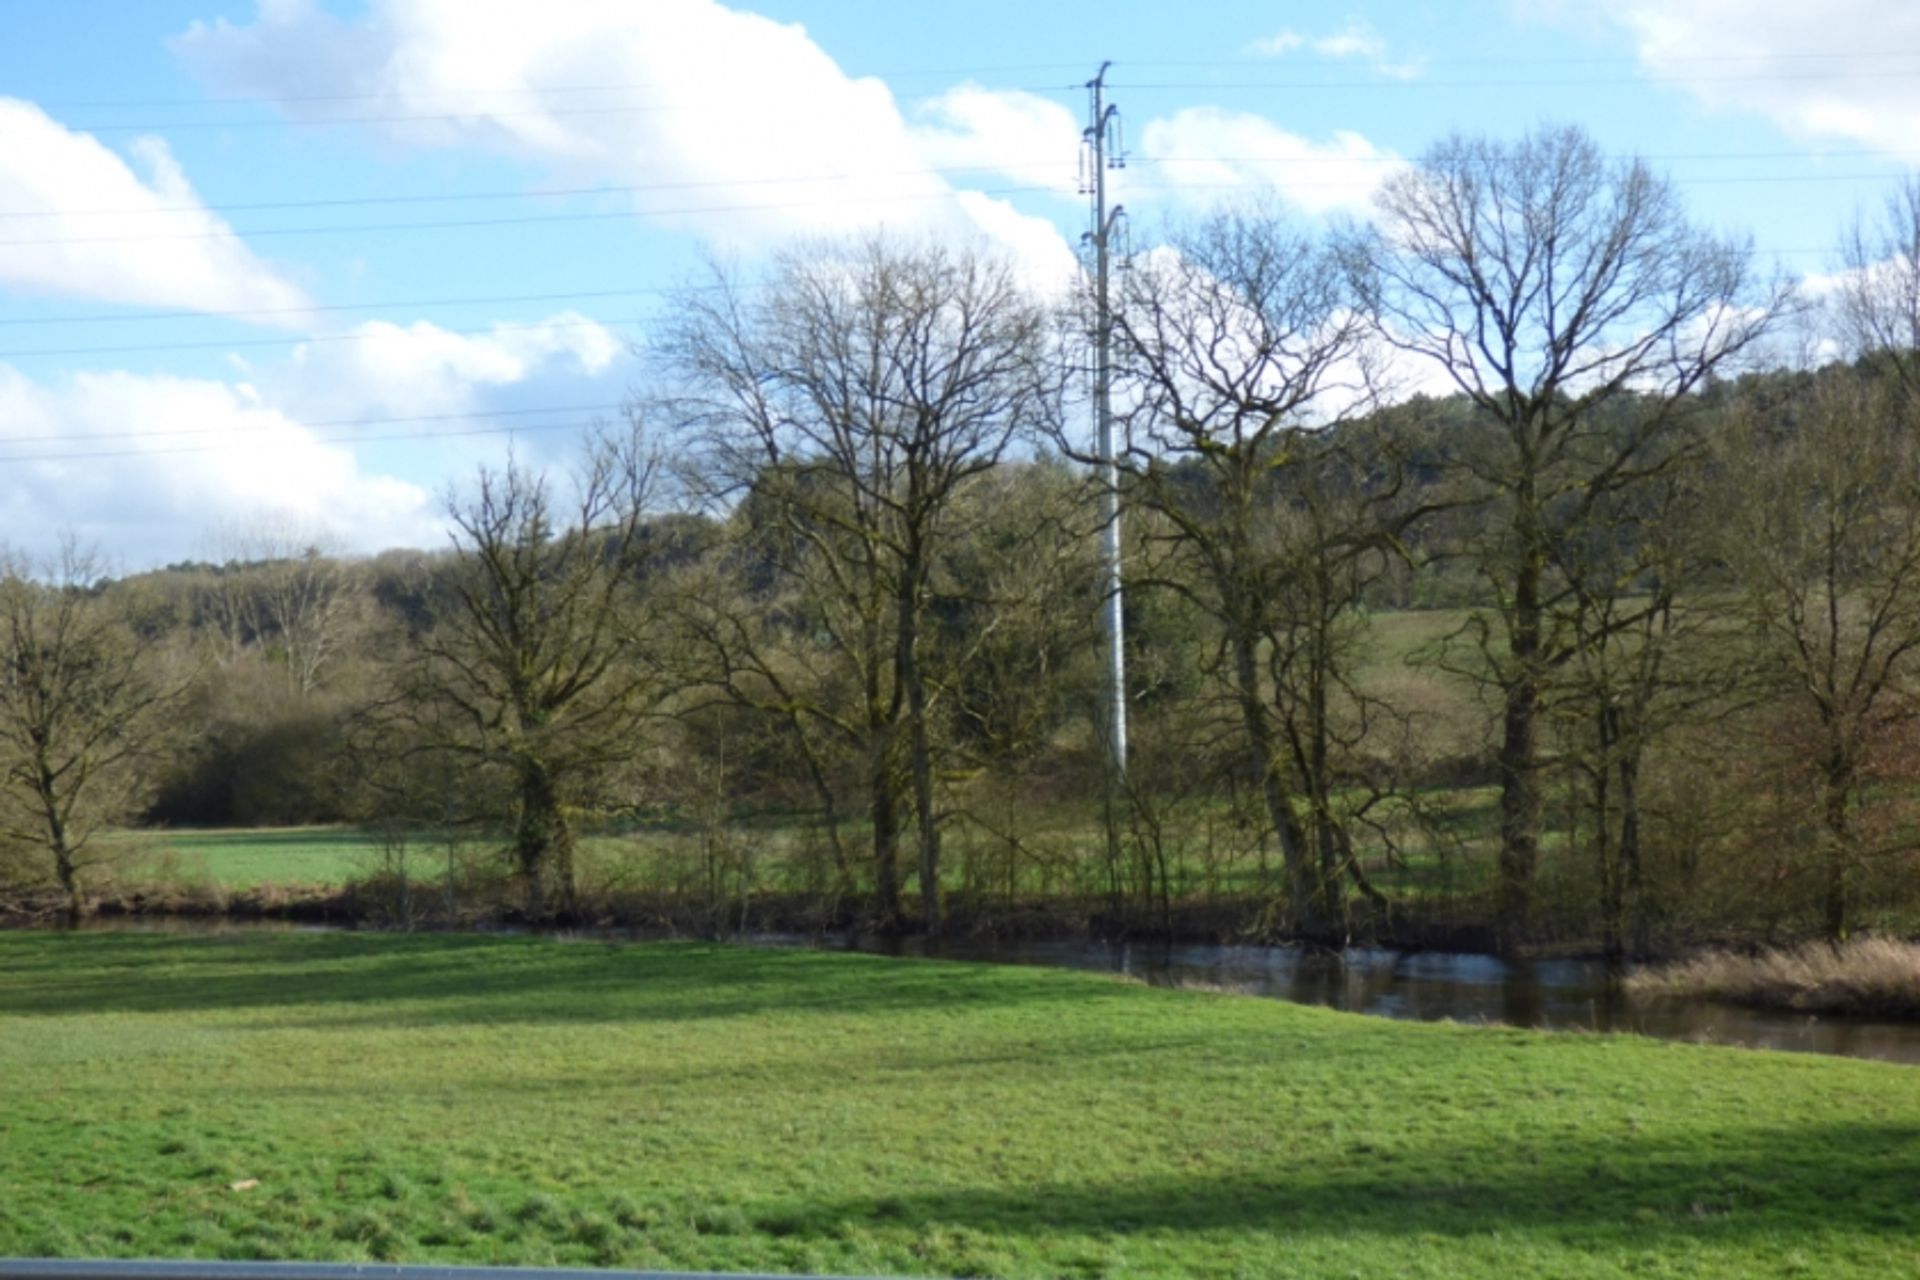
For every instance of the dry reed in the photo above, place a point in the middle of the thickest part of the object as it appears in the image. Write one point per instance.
(1866, 976)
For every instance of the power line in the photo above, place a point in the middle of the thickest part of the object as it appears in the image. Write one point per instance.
(507, 91)
(1004, 165)
(624, 86)
(476, 117)
(1571, 60)
(245, 313)
(754, 207)
(1780, 77)
(294, 340)
(375, 439)
(520, 220)
(533, 193)
(175, 433)
(482, 116)
(1847, 153)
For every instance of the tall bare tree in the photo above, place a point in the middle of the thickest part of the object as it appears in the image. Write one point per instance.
(1245, 365)
(846, 404)
(1548, 283)
(83, 708)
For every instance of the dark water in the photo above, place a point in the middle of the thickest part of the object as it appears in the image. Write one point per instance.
(1425, 986)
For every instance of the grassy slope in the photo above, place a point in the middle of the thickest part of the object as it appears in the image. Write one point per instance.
(533, 1101)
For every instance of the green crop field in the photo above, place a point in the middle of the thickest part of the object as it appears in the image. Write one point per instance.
(442, 1098)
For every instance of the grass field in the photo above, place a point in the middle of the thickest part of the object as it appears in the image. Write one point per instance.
(253, 858)
(684, 1106)
(245, 858)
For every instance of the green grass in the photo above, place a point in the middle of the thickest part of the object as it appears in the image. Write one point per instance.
(681, 1106)
(246, 858)
(252, 858)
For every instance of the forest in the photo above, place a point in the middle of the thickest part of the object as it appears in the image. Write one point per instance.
(1527, 567)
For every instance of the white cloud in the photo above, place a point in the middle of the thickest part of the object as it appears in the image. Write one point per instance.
(1770, 57)
(1277, 44)
(685, 92)
(1033, 244)
(75, 219)
(1356, 40)
(145, 464)
(1213, 153)
(145, 499)
(389, 369)
(1023, 136)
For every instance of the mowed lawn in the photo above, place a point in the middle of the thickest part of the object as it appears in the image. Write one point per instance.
(685, 1106)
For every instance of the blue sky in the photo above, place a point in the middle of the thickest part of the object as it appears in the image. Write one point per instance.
(311, 259)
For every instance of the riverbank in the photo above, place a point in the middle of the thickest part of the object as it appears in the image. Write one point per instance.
(1864, 977)
(659, 877)
(688, 1106)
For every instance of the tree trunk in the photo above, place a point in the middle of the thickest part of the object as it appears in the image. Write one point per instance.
(829, 806)
(1612, 902)
(886, 833)
(543, 846)
(928, 819)
(69, 876)
(1333, 898)
(1838, 792)
(57, 837)
(1273, 787)
(1519, 765)
(1630, 866)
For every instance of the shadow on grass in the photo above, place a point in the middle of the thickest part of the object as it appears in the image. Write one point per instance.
(373, 980)
(1785, 1187)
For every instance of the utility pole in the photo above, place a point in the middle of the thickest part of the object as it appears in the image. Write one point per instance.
(1101, 151)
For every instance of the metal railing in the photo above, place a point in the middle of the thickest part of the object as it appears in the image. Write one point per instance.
(115, 1269)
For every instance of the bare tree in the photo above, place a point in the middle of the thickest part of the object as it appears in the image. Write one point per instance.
(1549, 283)
(846, 405)
(1246, 365)
(533, 672)
(1878, 303)
(1649, 629)
(282, 587)
(82, 710)
(1821, 529)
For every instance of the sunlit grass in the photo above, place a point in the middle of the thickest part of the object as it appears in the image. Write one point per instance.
(243, 857)
(691, 1107)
